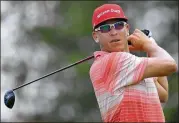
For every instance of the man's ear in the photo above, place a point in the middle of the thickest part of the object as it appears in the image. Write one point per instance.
(95, 37)
(127, 33)
(128, 26)
(127, 29)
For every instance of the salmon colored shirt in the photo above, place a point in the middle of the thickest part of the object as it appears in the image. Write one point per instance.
(121, 93)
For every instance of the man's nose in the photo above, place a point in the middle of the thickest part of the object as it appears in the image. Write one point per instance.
(113, 31)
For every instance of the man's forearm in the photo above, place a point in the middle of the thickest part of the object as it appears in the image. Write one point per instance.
(163, 94)
(156, 51)
(161, 85)
(167, 63)
(162, 88)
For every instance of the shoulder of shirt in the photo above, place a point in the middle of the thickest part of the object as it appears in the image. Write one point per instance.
(106, 54)
(101, 55)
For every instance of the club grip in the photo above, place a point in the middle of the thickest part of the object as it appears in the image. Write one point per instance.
(147, 32)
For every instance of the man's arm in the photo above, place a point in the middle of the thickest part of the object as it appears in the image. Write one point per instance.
(161, 84)
(160, 62)
(162, 88)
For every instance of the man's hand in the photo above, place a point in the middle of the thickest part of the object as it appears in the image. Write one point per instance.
(160, 62)
(138, 40)
(162, 88)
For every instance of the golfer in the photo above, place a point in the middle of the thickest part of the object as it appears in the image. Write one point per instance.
(128, 88)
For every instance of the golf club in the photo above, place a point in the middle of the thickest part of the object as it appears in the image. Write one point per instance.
(9, 97)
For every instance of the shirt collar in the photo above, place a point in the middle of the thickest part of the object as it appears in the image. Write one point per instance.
(99, 53)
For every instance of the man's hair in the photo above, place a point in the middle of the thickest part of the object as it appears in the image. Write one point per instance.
(107, 20)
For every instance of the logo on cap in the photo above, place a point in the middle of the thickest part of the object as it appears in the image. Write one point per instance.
(107, 11)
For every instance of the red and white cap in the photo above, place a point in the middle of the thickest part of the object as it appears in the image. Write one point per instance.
(106, 12)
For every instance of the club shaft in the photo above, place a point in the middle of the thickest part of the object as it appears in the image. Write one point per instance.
(78, 62)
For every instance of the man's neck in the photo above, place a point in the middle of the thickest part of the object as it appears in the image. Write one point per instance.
(126, 50)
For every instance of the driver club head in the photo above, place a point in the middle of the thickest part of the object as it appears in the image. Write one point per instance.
(9, 99)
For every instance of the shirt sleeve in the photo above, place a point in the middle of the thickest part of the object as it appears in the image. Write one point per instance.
(126, 69)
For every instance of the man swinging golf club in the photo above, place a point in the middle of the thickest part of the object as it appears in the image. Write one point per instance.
(9, 97)
(124, 83)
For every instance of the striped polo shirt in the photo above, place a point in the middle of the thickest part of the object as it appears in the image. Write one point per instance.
(121, 93)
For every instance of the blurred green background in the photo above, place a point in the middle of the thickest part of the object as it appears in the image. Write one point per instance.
(38, 37)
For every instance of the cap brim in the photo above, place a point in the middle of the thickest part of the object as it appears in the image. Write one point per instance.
(110, 18)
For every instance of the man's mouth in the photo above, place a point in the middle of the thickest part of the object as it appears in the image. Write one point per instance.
(115, 40)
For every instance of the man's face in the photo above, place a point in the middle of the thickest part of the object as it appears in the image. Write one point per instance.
(113, 40)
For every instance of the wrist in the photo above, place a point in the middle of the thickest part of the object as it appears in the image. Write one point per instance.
(150, 47)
